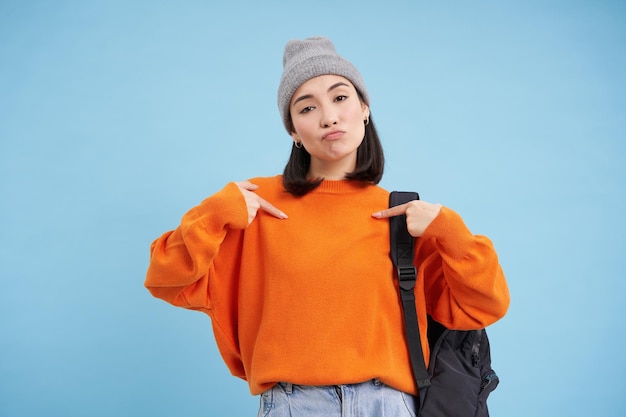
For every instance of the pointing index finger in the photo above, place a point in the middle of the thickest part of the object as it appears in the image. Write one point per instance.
(269, 208)
(391, 212)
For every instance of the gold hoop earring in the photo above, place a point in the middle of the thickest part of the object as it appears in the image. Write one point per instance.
(367, 121)
(297, 144)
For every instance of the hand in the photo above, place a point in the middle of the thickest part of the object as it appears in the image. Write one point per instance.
(419, 215)
(256, 203)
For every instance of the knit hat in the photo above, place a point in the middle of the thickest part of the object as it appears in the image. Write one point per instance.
(306, 59)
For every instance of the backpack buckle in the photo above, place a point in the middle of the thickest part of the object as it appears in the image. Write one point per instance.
(406, 276)
(406, 273)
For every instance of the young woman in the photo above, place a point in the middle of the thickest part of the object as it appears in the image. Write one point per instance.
(294, 270)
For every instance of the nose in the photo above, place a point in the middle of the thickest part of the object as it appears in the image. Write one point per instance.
(329, 117)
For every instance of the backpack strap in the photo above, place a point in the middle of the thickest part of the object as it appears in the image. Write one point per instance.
(478, 335)
(402, 248)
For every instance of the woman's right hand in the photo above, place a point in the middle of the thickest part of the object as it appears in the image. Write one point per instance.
(254, 202)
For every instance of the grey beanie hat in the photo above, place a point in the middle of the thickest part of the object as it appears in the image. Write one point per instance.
(306, 59)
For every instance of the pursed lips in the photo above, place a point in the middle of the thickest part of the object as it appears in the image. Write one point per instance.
(335, 134)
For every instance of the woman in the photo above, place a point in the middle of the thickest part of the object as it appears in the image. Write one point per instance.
(294, 270)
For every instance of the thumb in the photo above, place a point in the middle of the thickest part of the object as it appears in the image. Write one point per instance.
(247, 185)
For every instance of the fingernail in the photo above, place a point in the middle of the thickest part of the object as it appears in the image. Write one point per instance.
(377, 214)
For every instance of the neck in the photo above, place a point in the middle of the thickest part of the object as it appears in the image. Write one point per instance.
(331, 170)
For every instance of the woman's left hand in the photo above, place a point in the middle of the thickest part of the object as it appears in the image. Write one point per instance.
(419, 215)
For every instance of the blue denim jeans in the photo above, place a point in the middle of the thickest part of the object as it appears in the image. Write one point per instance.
(368, 399)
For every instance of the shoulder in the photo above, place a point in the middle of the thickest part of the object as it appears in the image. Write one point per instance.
(378, 190)
(269, 187)
(273, 181)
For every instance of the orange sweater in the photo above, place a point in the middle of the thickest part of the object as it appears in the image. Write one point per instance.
(312, 299)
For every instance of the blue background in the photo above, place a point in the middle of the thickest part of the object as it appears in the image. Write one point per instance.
(116, 117)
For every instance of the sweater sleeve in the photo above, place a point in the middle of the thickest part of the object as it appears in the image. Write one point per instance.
(181, 260)
(464, 283)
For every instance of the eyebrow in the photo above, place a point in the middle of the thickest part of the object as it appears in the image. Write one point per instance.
(332, 87)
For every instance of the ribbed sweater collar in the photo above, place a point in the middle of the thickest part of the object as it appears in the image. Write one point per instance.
(341, 187)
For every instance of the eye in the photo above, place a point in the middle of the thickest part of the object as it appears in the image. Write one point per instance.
(306, 109)
(341, 98)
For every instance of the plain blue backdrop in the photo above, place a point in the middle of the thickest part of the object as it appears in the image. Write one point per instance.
(116, 117)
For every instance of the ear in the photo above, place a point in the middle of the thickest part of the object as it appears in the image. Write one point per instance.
(366, 110)
(295, 137)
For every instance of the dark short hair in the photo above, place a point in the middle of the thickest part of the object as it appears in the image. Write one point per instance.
(370, 162)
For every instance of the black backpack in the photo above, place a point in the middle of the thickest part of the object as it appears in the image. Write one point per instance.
(459, 377)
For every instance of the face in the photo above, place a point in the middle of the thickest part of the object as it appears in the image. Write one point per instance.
(328, 118)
